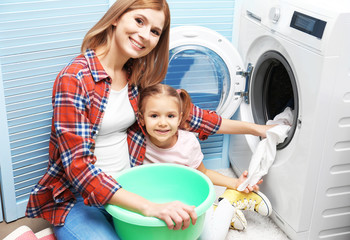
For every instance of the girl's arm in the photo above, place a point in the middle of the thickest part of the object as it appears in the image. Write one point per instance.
(175, 214)
(225, 181)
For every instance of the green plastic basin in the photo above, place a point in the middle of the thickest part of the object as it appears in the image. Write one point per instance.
(162, 183)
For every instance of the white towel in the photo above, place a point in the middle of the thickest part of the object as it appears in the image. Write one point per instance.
(264, 155)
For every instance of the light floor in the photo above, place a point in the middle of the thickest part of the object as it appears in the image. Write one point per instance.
(262, 228)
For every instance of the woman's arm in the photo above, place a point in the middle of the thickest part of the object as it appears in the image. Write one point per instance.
(238, 127)
(207, 123)
(225, 181)
(175, 214)
(74, 128)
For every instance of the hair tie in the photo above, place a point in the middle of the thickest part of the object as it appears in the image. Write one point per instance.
(178, 91)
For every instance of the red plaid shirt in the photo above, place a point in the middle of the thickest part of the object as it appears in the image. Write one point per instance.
(80, 96)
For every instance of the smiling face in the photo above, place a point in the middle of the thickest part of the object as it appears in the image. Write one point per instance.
(138, 32)
(161, 117)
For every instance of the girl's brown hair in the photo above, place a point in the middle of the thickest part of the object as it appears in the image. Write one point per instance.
(145, 71)
(181, 95)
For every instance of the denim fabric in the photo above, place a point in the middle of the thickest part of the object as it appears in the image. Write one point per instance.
(86, 222)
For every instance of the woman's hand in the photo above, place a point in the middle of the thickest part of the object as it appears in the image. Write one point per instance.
(249, 188)
(175, 214)
(262, 129)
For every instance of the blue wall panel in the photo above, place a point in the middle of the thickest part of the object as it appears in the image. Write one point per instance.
(216, 15)
(37, 38)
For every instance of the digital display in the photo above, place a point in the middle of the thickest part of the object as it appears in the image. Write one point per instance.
(305, 23)
(308, 24)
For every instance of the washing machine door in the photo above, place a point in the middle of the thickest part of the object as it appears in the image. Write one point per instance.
(208, 66)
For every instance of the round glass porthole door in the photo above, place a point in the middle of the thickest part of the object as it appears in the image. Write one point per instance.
(274, 88)
(200, 71)
(204, 63)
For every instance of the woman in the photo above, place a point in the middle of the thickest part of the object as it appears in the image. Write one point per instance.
(94, 101)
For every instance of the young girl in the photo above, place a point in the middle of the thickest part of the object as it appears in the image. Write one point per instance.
(162, 111)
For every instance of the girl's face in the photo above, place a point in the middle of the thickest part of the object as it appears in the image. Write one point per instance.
(161, 118)
(138, 32)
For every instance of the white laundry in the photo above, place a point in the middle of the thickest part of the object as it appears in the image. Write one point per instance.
(265, 153)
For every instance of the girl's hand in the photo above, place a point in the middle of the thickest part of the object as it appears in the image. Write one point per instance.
(249, 188)
(175, 214)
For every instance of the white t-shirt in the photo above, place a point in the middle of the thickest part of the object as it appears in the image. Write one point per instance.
(186, 151)
(111, 146)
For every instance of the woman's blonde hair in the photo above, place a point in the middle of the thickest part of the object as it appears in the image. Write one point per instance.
(145, 71)
(181, 95)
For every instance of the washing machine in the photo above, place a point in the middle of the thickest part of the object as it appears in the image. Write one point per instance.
(300, 52)
(287, 53)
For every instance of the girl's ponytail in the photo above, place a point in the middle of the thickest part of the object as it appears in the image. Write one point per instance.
(185, 107)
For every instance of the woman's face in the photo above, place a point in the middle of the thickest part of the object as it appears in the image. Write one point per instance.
(138, 32)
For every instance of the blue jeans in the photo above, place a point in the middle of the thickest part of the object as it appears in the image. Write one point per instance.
(86, 222)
